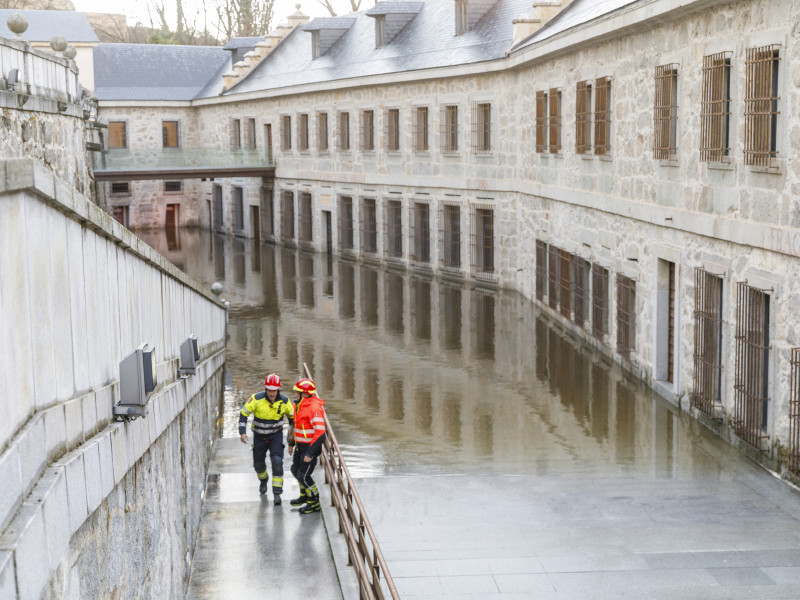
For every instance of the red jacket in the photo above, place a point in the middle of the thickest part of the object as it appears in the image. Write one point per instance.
(309, 423)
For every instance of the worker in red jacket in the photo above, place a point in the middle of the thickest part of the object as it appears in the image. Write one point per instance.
(309, 435)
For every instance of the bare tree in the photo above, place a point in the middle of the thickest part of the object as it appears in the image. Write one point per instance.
(244, 18)
(328, 6)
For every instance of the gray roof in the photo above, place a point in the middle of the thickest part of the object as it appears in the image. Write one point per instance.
(395, 8)
(428, 41)
(44, 24)
(329, 23)
(243, 42)
(157, 72)
(576, 13)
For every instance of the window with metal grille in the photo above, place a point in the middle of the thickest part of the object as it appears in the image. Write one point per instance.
(761, 106)
(250, 134)
(369, 226)
(707, 383)
(449, 129)
(322, 132)
(346, 241)
(344, 131)
(420, 223)
(553, 282)
(236, 134)
(541, 270)
(238, 209)
(602, 116)
(286, 133)
(269, 213)
(565, 283)
(541, 121)
(392, 129)
(666, 284)
(287, 215)
(793, 459)
(599, 302)
(583, 117)
(217, 216)
(450, 237)
(580, 290)
(626, 315)
(421, 129)
(481, 127)
(462, 22)
(117, 134)
(367, 130)
(305, 233)
(302, 132)
(268, 141)
(482, 241)
(173, 186)
(751, 379)
(120, 188)
(393, 230)
(665, 112)
(554, 120)
(169, 134)
(715, 111)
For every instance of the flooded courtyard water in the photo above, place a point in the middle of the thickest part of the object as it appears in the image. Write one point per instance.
(424, 375)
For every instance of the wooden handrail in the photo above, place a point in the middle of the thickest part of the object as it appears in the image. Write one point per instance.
(364, 552)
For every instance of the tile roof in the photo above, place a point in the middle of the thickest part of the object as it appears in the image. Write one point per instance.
(427, 42)
(329, 23)
(157, 72)
(44, 24)
(576, 13)
(395, 8)
(243, 42)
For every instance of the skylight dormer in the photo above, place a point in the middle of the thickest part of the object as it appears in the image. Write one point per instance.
(325, 32)
(469, 12)
(391, 18)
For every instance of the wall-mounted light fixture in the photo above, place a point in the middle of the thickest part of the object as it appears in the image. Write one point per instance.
(189, 357)
(137, 379)
(12, 79)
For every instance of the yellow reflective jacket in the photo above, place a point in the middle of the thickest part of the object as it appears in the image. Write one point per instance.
(267, 416)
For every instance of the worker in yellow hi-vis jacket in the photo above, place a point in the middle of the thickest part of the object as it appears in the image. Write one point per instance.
(268, 409)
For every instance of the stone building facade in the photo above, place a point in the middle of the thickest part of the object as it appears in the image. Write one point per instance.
(634, 171)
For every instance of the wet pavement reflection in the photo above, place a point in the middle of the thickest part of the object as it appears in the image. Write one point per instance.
(422, 375)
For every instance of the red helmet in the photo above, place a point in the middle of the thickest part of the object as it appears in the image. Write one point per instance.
(272, 382)
(305, 385)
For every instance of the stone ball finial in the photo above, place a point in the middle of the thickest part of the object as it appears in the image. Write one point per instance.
(58, 43)
(217, 288)
(70, 52)
(18, 24)
(297, 6)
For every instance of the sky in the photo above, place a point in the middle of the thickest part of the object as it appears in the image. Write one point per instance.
(136, 10)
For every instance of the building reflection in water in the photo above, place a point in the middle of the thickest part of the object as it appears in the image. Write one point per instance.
(492, 386)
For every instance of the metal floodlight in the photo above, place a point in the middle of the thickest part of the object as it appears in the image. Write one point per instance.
(137, 379)
(13, 78)
(189, 357)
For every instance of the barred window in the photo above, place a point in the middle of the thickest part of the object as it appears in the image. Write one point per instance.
(120, 188)
(481, 127)
(761, 106)
(287, 215)
(450, 237)
(541, 270)
(541, 121)
(707, 382)
(421, 129)
(583, 117)
(393, 129)
(393, 226)
(305, 232)
(602, 116)
(369, 226)
(665, 112)
(626, 315)
(482, 241)
(599, 302)
(250, 134)
(173, 186)
(346, 241)
(367, 130)
(715, 112)
(449, 129)
(322, 132)
(420, 233)
(286, 133)
(236, 134)
(344, 131)
(302, 132)
(238, 209)
(581, 270)
(554, 123)
(117, 134)
(169, 134)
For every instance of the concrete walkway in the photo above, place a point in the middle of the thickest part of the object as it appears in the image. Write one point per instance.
(249, 548)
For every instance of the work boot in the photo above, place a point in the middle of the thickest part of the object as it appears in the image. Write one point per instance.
(302, 499)
(312, 506)
(262, 488)
(277, 500)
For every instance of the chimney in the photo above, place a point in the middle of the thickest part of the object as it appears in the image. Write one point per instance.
(543, 11)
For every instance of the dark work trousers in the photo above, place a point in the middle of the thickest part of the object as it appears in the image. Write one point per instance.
(302, 470)
(273, 443)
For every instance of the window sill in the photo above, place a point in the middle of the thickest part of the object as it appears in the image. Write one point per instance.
(670, 163)
(452, 154)
(589, 157)
(394, 153)
(720, 166)
(776, 170)
(323, 153)
(605, 157)
(422, 152)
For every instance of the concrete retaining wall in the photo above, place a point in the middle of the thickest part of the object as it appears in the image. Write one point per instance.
(90, 507)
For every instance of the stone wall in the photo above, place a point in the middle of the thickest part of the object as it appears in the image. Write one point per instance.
(80, 292)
